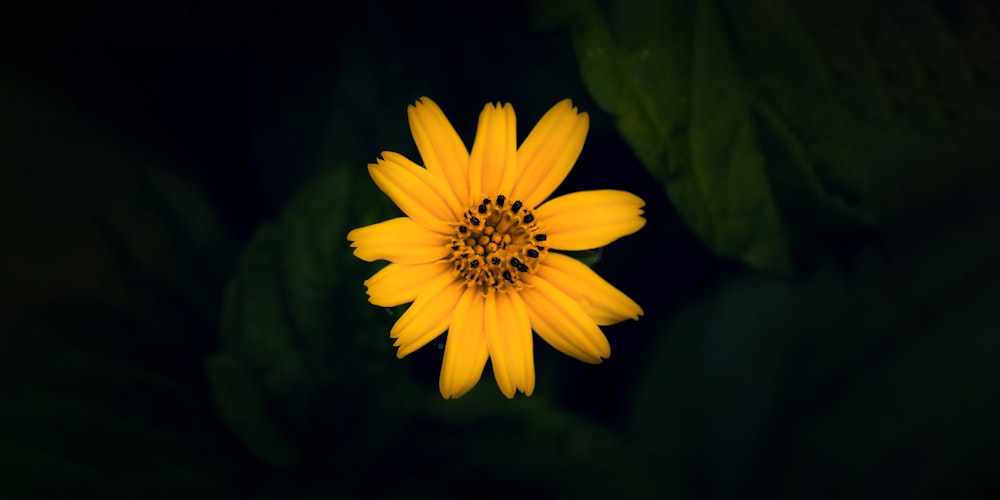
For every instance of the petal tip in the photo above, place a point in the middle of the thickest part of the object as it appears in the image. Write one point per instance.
(508, 392)
(422, 101)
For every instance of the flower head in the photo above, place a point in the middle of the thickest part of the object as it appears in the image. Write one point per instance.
(477, 251)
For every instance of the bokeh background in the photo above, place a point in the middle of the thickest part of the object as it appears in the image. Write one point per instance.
(180, 313)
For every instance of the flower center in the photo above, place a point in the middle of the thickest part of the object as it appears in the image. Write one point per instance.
(498, 242)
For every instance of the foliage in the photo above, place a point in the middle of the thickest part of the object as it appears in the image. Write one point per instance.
(819, 270)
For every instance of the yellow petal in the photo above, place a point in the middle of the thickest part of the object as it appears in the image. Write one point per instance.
(465, 350)
(441, 149)
(398, 240)
(549, 152)
(590, 219)
(421, 195)
(604, 303)
(561, 322)
(397, 284)
(508, 338)
(429, 315)
(493, 162)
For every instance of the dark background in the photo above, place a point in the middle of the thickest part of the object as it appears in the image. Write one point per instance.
(179, 313)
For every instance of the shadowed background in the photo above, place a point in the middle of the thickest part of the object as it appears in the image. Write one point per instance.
(180, 312)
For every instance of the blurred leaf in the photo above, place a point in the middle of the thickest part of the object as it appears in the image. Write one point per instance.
(882, 380)
(781, 128)
(307, 372)
(91, 220)
(486, 446)
(89, 409)
(588, 257)
(111, 268)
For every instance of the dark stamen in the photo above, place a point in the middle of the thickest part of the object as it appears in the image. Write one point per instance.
(492, 248)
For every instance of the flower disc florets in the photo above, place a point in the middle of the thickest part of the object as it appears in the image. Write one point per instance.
(498, 243)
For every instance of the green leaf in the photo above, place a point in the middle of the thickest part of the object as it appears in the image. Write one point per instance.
(589, 257)
(780, 128)
(111, 271)
(519, 447)
(307, 372)
(881, 380)
(90, 410)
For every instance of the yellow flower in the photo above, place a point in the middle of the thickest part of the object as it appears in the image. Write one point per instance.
(477, 250)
